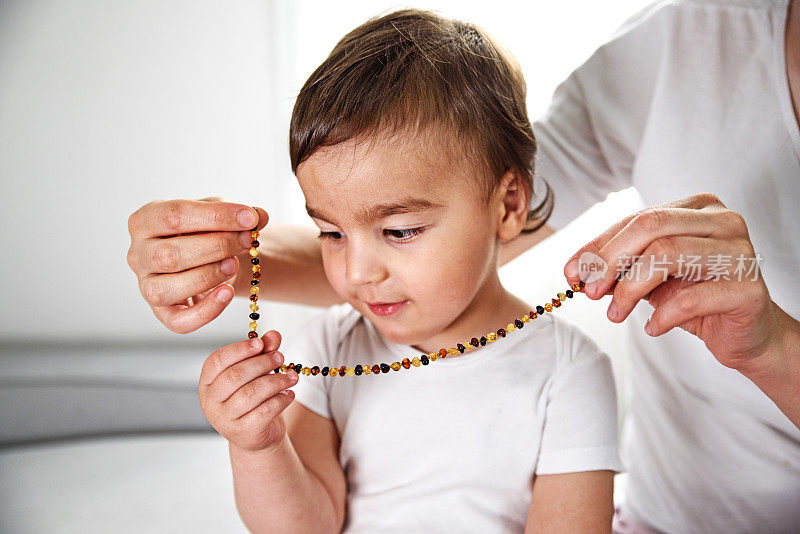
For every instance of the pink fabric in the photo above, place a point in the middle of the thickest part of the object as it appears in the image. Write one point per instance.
(623, 524)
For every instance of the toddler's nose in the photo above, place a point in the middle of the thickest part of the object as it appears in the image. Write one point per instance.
(364, 265)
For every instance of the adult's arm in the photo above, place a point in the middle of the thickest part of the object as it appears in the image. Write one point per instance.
(735, 317)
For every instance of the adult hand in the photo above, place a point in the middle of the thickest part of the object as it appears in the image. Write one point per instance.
(736, 318)
(183, 253)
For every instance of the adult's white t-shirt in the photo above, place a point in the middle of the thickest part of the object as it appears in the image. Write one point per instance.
(690, 97)
(453, 446)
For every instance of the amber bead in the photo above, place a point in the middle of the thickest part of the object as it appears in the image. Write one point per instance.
(315, 370)
(254, 252)
(254, 261)
(325, 371)
(483, 341)
(474, 342)
(415, 361)
(569, 293)
(254, 297)
(556, 303)
(343, 370)
(442, 352)
(376, 369)
(298, 367)
(562, 297)
(460, 348)
(518, 323)
(255, 316)
(548, 307)
(577, 287)
(334, 371)
(510, 327)
(306, 371)
(254, 243)
(532, 315)
(501, 333)
(254, 307)
(284, 368)
(385, 368)
(395, 366)
(366, 369)
(433, 356)
(406, 363)
(254, 289)
(525, 318)
(253, 282)
(491, 337)
(349, 371)
(424, 359)
(251, 334)
(539, 310)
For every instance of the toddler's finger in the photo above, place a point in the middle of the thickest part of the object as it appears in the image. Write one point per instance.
(224, 357)
(272, 340)
(268, 410)
(237, 375)
(258, 392)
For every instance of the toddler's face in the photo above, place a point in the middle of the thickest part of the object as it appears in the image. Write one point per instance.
(406, 238)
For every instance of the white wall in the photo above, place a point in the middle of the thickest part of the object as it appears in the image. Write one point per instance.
(107, 105)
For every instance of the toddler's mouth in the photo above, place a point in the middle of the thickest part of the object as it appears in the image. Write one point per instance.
(386, 308)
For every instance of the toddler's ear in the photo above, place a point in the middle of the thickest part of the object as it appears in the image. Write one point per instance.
(512, 202)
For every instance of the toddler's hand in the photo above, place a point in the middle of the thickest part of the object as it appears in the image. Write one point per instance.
(242, 398)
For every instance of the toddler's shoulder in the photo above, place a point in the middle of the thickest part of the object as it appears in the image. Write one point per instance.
(571, 344)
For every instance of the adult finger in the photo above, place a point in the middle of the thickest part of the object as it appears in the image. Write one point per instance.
(183, 216)
(185, 318)
(635, 232)
(689, 257)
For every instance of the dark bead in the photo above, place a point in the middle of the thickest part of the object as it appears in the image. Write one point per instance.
(359, 370)
(501, 332)
(443, 353)
(474, 342)
(251, 334)
(325, 371)
(461, 348)
(343, 370)
(483, 341)
(518, 323)
(254, 316)
(315, 370)
(406, 363)
(569, 293)
(532, 314)
(376, 369)
(254, 282)
(298, 368)
(257, 274)
(254, 243)
(254, 297)
(385, 368)
(277, 370)
(254, 261)
(540, 310)
(424, 359)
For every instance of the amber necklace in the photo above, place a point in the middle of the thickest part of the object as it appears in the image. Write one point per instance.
(416, 361)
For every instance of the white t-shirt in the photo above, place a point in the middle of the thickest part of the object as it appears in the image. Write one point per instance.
(453, 446)
(690, 97)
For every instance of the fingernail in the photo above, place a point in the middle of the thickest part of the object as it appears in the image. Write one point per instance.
(247, 218)
(572, 268)
(278, 358)
(228, 266)
(255, 343)
(612, 312)
(224, 295)
(648, 328)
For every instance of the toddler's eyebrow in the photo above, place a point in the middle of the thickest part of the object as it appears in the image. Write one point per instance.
(381, 211)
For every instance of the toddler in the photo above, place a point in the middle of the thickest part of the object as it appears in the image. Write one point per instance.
(413, 149)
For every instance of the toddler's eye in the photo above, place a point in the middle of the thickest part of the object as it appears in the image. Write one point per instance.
(404, 234)
(334, 236)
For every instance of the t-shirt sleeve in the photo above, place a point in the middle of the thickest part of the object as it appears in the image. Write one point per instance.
(580, 429)
(316, 344)
(589, 136)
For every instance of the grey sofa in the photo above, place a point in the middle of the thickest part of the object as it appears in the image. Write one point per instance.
(109, 438)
